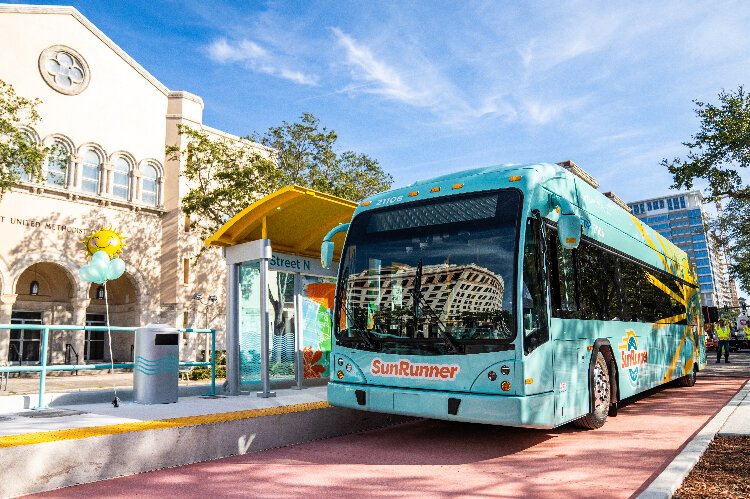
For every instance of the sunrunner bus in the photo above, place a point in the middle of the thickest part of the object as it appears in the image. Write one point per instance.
(512, 295)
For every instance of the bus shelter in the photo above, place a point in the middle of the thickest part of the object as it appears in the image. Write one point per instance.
(279, 297)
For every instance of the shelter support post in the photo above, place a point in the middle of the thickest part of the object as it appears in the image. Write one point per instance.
(299, 360)
(265, 375)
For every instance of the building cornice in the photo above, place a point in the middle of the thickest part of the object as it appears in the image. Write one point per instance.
(55, 9)
(182, 94)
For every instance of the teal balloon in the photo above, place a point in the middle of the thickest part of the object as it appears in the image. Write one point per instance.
(101, 276)
(102, 269)
(87, 273)
(115, 269)
(100, 260)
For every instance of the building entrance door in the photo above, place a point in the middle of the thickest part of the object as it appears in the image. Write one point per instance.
(93, 349)
(25, 345)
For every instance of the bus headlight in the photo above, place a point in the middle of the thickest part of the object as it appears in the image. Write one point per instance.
(340, 374)
(340, 361)
(505, 386)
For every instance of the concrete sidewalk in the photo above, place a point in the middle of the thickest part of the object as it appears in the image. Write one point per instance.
(732, 420)
(74, 444)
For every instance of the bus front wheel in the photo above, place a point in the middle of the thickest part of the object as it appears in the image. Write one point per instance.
(602, 396)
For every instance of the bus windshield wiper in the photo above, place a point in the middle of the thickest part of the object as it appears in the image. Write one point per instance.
(419, 300)
(357, 326)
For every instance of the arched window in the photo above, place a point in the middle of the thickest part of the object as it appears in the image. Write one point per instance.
(20, 170)
(121, 179)
(90, 172)
(57, 164)
(149, 191)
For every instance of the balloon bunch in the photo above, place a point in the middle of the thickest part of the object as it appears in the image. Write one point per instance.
(103, 246)
(102, 269)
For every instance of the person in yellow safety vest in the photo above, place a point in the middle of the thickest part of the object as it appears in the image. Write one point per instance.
(722, 334)
(746, 330)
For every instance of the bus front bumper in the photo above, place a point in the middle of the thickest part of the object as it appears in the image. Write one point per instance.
(534, 411)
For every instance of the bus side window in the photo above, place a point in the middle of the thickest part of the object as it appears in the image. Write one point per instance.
(562, 277)
(600, 283)
(536, 331)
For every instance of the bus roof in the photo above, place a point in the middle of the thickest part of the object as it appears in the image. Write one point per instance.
(604, 220)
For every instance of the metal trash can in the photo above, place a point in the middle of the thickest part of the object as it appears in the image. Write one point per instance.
(157, 358)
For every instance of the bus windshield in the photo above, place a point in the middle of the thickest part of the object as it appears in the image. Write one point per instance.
(431, 277)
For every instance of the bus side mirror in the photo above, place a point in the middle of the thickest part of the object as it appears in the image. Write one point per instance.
(326, 249)
(326, 254)
(569, 231)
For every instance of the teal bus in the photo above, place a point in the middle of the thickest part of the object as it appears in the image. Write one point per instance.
(515, 295)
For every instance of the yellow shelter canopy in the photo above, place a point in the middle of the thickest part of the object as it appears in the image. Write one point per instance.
(294, 218)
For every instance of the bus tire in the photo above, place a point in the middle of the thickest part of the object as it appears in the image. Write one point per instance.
(600, 383)
(688, 380)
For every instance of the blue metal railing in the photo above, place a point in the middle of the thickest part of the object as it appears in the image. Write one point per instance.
(43, 367)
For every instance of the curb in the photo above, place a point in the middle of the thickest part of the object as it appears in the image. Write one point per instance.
(669, 480)
(53, 460)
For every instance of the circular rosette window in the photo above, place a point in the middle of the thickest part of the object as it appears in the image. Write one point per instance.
(64, 69)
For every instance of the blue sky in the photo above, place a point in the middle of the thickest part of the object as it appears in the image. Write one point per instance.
(432, 87)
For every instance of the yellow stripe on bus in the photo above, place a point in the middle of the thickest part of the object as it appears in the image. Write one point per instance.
(656, 282)
(673, 364)
(113, 429)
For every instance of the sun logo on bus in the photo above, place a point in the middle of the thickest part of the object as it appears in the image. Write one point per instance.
(632, 357)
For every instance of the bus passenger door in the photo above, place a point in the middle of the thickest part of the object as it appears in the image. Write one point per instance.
(537, 354)
(568, 351)
(570, 373)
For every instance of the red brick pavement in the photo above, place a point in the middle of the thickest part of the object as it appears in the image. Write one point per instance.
(430, 458)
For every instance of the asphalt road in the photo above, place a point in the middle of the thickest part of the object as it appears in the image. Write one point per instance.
(428, 458)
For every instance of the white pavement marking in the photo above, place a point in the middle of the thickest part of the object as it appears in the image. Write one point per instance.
(665, 485)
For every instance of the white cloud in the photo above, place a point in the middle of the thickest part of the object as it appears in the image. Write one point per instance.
(414, 80)
(221, 51)
(384, 79)
(258, 59)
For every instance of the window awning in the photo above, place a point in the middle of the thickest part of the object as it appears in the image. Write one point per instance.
(294, 218)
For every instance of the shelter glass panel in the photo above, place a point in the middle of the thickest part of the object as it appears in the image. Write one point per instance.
(318, 294)
(281, 297)
(281, 291)
(249, 322)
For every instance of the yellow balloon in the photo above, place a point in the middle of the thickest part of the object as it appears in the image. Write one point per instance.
(107, 240)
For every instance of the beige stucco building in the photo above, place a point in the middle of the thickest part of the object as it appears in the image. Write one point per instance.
(114, 120)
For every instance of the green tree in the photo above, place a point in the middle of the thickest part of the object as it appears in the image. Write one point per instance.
(307, 157)
(19, 154)
(718, 155)
(226, 176)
